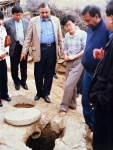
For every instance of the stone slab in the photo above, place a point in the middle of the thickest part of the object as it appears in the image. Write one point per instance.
(22, 116)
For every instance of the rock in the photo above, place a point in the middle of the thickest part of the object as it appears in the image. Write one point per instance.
(57, 124)
(71, 128)
(73, 3)
(22, 116)
(59, 145)
(3, 147)
(27, 15)
(60, 68)
(43, 121)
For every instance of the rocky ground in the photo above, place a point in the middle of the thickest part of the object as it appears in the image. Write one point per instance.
(71, 123)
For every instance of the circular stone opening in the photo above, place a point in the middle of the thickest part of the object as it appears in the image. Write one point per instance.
(22, 102)
(23, 105)
(46, 140)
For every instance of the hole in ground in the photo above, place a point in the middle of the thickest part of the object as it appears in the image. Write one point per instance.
(46, 141)
(23, 105)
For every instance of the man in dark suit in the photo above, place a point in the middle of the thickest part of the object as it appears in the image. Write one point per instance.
(16, 28)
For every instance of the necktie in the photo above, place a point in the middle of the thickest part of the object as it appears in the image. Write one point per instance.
(20, 33)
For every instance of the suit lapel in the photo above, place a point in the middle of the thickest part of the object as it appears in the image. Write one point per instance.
(37, 24)
(13, 27)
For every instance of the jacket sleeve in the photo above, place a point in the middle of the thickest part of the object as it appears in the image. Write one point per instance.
(106, 97)
(60, 37)
(28, 38)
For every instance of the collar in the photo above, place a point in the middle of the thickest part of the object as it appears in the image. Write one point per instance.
(76, 33)
(111, 35)
(18, 21)
(41, 19)
(110, 40)
(98, 25)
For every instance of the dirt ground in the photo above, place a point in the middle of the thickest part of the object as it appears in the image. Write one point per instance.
(48, 109)
(56, 92)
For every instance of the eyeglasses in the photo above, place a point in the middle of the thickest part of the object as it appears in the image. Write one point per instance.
(67, 26)
(17, 14)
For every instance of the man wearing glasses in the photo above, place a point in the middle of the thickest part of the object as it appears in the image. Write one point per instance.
(16, 28)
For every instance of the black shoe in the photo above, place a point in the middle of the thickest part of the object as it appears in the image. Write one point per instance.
(0, 103)
(55, 76)
(17, 86)
(24, 86)
(37, 97)
(7, 99)
(46, 98)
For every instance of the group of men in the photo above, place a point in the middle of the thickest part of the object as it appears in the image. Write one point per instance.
(43, 33)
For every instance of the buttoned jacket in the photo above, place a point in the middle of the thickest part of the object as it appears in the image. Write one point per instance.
(9, 24)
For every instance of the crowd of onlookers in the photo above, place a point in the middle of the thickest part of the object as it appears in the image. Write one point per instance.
(91, 50)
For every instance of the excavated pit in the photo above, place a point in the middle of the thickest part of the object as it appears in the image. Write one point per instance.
(23, 105)
(46, 141)
(22, 102)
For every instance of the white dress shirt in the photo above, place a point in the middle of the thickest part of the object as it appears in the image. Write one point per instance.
(2, 41)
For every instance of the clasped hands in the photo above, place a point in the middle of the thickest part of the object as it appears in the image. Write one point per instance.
(67, 57)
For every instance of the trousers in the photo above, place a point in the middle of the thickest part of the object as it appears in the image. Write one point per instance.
(15, 62)
(44, 69)
(74, 70)
(3, 79)
(87, 111)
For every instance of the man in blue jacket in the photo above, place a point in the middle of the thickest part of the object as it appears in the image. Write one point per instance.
(97, 37)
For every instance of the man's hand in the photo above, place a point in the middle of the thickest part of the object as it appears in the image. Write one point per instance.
(98, 53)
(2, 55)
(71, 57)
(22, 57)
(61, 53)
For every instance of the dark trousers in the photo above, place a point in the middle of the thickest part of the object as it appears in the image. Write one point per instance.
(3, 79)
(103, 129)
(80, 83)
(15, 61)
(87, 111)
(44, 70)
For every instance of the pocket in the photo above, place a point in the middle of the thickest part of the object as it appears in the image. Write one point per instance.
(100, 86)
(33, 48)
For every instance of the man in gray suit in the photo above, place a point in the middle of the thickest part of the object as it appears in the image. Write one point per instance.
(16, 28)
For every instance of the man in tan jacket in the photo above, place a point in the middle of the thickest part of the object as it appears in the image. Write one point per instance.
(44, 32)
